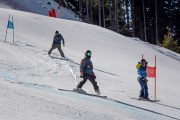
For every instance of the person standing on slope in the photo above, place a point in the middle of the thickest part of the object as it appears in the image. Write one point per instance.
(141, 69)
(57, 43)
(86, 71)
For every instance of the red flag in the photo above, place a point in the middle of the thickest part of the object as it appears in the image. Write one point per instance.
(50, 13)
(53, 13)
(151, 72)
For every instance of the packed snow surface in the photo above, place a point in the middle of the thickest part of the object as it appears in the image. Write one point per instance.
(29, 78)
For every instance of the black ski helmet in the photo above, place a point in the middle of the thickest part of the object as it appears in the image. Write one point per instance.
(88, 53)
(143, 60)
(57, 32)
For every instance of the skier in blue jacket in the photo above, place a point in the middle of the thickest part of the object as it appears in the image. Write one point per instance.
(86, 71)
(141, 68)
(57, 43)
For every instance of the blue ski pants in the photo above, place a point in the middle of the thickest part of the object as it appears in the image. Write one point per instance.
(144, 88)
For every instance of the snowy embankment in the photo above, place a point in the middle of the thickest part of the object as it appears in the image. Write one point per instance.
(29, 78)
(39, 7)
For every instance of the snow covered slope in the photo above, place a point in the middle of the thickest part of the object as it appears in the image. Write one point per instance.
(39, 7)
(29, 78)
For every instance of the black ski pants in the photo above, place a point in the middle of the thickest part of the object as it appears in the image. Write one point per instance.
(91, 78)
(58, 47)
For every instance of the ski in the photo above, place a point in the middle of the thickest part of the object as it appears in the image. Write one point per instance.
(150, 100)
(65, 59)
(56, 57)
(83, 93)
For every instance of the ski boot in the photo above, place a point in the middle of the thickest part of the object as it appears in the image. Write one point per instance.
(97, 92)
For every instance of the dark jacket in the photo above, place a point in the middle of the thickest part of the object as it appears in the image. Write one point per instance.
(86, 66)
(57, 39)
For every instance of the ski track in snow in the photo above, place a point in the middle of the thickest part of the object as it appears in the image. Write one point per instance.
(38, 60)
(148, 114)
(43, 59)
(162, 50)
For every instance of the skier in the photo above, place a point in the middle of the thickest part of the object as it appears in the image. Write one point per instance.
(86, 71)
(57, 43)
(141, 68)
(49, 3)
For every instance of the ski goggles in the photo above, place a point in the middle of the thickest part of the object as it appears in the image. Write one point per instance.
(89, 54)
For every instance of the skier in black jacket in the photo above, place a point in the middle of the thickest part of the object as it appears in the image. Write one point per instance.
(57, 43)
(86, 70)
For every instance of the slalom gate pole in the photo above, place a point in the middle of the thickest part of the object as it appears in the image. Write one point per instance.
(155, 80)
(13, 29)
(7, 28)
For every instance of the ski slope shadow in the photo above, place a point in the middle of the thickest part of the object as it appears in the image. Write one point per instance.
(160, 49)
(167, 106)
(74, 95)
(122, 103)
(164, 51)
(72, 61)
(143, 108)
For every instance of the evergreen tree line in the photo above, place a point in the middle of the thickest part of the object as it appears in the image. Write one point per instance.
(154, 21)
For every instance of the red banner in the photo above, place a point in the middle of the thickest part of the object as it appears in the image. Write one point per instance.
(52, 13)
(151, 72)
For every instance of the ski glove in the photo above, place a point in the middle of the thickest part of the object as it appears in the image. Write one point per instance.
(146, 80)
(81, 76)
(94, 76)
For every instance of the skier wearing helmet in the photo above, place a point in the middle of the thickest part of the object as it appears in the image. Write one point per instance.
(86, 71)
(57, 43)
(141, 69)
